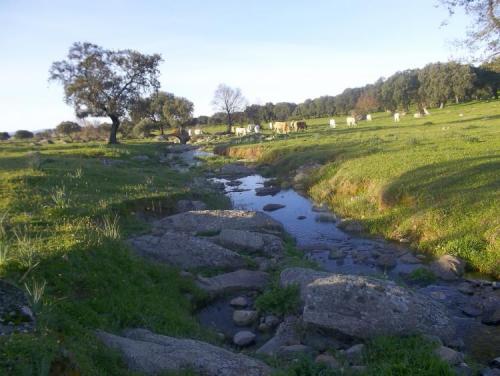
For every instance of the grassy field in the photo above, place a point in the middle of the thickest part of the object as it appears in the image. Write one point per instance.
(64, 217)
(433, 180)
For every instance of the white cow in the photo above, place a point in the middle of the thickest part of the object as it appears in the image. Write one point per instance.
(257, 128)
(369, 117)
(396, 117)
(271, 125)
(417, 115)
(190, 132)
(351, 121)
(198, 132)
(240, 131)
(250, 128)
(332, 123)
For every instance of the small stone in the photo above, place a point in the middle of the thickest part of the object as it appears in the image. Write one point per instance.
(244, 317)
(272, 207)
(328, 360)
(271, 320)
(267, 191)
(244, 338)
(263, 327)
(449, 356)
(301, 217)
(354, 354)
(463, 369)
(448, 267)
(240, 302)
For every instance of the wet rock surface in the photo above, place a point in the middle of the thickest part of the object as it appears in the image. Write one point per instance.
(239, 280)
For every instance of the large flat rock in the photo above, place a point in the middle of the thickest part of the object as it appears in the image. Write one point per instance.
(186, 251)
(216, 220)
(234, 281)
(151, 354)
(252, 242)
(364, 307)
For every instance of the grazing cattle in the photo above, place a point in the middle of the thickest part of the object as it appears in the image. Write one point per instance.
(300, 126)
(351, 121)
(240, 131)
(396, 117)
(198, 132)
(417, 115)
(250, 128)
(257, 128)
(281, 127)
(270, 125)
(190, 132)
(368, 117)
(426, 112)
(332, 123)
(233, 129)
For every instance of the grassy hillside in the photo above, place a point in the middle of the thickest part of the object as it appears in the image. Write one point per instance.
(433, 180)
(64, 217)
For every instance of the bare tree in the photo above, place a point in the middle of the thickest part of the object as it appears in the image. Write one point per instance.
(228, 100)
(484, 32)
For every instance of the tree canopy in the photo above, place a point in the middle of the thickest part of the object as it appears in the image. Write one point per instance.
(100, 82)
(67, 128)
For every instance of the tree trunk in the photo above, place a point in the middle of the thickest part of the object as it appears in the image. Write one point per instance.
(229, 121)
(456, 99)
(114, 128)
(161, 129)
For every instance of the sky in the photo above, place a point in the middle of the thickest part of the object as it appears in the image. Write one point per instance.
(274, 51)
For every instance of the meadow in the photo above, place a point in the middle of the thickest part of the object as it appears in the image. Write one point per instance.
(433, 181)
(66, 210)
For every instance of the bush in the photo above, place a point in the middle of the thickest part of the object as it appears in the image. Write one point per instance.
(23, 134)
(145, 127)
(279, 300)
(4, 136)
(67, 128)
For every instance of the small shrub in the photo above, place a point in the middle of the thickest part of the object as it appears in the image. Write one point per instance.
(422, 276)
(23, 134)
(4, 253)
(35, 291)
(279, 300)
(60, 198)
(305, 366)
(110, 227)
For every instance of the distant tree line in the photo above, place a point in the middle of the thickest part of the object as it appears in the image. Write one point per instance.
(434, 85)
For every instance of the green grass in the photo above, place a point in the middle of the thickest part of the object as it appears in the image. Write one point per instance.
(279, 300)
(64, 219)
(435, 184)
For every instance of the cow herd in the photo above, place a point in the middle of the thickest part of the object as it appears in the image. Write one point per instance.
(285, 127)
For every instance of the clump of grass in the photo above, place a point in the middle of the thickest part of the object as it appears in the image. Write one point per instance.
(111, 227)
(27, 253)
(35, 291)
(422, 276)
(4, 253)
(404, 356)
(60, 198)
(279, 300)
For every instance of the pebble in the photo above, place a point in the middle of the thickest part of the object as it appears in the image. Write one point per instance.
(244, 317)
(239, 301)
(244, 338)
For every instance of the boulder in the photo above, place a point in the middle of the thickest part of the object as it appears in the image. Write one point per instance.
(365, 307)
(239, 280)
(287, 334)
(408, 258)
(244, 338)
(249, 241)
(185, 251)
(272, 207)
(448, 267)
(243, 317)
(151, 354)
(354, 354)
(239, 301)
(217, 220)
(386, 260)
(449, 356)
(189, 205)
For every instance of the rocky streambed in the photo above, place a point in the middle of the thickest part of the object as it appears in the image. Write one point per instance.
(366, 287)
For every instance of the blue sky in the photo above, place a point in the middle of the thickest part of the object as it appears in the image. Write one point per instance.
(273, 50)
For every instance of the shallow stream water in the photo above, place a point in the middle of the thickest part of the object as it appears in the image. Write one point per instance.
(340, 252)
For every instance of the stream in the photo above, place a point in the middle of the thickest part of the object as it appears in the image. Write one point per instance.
(316, 233)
